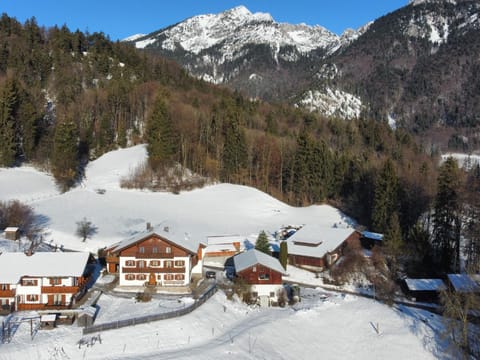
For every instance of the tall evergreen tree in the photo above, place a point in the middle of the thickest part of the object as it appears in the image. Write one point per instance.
(234, 156)
(161, 135)
(447, 220)
(385, 201)
(65, 160)
(8, 131)
(262, 243)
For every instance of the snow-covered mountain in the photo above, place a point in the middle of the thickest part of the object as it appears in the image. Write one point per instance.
(249, 51)
(417, 64)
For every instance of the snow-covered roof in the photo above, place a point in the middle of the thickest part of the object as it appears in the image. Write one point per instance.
(463, 283)
(225, 239)
(425, 284)
(372, 235)
(166, 232)
(219, 248)
(316, 241)
(11, 229)
(48, 318)
(14, 265)
(254, 257)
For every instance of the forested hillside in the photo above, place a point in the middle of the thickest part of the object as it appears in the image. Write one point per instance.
(68, 97)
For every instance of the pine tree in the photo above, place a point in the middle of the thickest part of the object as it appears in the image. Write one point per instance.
(283, 257)
(393, 242)
(65, 160)
(447, 220)
(385, 201)
(8, 133)
(161, 136)
(234, 156)
(262, 243)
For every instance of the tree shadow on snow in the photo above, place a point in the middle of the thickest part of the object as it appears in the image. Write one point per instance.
(429, 328)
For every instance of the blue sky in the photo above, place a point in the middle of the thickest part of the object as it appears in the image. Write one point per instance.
(121, 18)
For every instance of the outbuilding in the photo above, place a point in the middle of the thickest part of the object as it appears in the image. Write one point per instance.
(12, 233)
(424, 290)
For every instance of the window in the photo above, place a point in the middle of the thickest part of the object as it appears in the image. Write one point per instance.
(179, 277)
(263, 276)
(32, 297)
(129, 277)
(141, 263)
(3, 287)
(57, 299)
(168, 249)
(141, 277)
(168, 263)
(130, 263)
(254, 269)
(154, 250)
(141, 249)
(55, 281)
(29, 282)
(168, 277)
(180, 263)
(159, 277)
(272, 294)
(154, 263)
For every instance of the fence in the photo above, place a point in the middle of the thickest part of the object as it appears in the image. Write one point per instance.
(148, 318)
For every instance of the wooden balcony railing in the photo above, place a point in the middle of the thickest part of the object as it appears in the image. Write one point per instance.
(150, 255)
(112, 259)
(60, 289)
(172, 270)
(7, 293)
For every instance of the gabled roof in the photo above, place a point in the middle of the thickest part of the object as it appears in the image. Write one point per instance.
(180, 240)
(15, 265)
(254, 257)
(316, 241)
(372, 235)
(425, 284)
(463, 283)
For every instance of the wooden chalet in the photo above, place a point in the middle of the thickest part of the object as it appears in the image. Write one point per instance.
(44, 280)
(154, 258)
(424, 290)
(262, 271)
(316, 248)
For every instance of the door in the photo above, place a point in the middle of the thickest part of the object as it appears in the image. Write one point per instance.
(151, 280)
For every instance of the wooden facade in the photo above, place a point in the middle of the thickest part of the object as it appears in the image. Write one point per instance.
(321, 261)
(151, 261)
(260, 275)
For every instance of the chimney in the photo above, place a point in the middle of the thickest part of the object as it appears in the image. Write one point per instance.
(149, 226)
(166, 229)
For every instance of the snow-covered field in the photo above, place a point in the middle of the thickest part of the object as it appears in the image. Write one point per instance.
(329, 327)
(334, 327)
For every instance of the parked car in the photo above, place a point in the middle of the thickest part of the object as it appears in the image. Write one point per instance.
(210, 274)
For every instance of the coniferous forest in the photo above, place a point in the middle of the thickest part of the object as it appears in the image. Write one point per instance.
(68, 97)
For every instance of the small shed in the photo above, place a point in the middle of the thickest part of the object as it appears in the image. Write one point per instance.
(463, 283)
(12, 233)
(425, 290)
(87, 316)
(369, 239)
(48, 321)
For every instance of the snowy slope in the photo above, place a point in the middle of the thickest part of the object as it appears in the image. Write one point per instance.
(222, 209)
(335, 328)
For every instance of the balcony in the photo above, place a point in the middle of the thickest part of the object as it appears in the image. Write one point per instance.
(112, 259)
(150, 255)
(60, 289)
(7, 293)
(172, 270)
